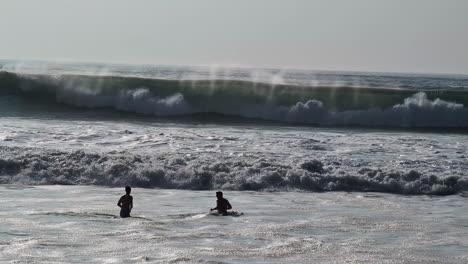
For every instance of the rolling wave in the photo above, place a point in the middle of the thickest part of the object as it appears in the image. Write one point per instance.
(352, 106)
(206, 172)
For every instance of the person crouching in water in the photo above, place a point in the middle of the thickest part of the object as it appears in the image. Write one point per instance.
(222, 205)
(126, 203)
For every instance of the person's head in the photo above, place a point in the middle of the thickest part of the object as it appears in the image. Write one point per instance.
(219, 195)
(128, 189)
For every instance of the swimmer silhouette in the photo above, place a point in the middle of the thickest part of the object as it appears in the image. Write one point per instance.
(222, 205)
(126, 203)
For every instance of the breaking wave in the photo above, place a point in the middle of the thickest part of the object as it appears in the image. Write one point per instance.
(348, 106)
(36, 166)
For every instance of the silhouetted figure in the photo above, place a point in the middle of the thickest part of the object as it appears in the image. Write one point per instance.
(222, 205)
(126, 203)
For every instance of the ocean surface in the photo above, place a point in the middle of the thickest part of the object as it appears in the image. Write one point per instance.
(80, 224)
(327, 167)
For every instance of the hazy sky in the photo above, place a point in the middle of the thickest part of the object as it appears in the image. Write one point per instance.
(359, 35)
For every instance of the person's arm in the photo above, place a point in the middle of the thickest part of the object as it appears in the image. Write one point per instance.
(119, 203)
(228, 205)
(216, 208)
(131, 203)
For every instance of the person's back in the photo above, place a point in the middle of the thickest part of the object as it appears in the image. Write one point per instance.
(222, 205)
(126, 203)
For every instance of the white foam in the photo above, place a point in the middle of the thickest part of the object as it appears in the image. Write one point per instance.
(415, 111)
(213, 172)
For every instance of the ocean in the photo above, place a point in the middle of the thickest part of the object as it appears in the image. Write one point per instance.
(325, 167)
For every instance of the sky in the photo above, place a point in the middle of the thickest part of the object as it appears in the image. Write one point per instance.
(427, 36)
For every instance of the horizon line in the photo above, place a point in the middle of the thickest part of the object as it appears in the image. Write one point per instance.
(232, 66)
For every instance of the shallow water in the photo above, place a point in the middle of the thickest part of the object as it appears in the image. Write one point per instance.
(76, 224)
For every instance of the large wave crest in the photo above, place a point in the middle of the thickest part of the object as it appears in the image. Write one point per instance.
(349, 106)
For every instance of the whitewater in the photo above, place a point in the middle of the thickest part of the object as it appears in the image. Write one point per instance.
(327, 167)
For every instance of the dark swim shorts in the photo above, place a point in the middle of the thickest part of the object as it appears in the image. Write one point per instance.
(124, 213)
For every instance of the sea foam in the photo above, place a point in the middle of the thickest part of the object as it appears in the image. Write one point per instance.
(206, 172)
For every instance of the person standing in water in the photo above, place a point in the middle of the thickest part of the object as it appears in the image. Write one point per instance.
(222, 205)
(126, 203)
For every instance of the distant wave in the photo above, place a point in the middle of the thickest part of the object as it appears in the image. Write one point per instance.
(36, 166)
(443, 108)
